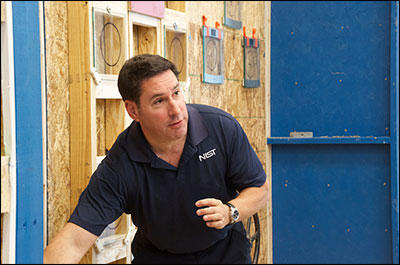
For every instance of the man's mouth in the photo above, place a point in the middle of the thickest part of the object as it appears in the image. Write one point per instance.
(175, 124)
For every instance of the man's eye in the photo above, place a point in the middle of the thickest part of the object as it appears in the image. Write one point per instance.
(158, 101)
(177, 92)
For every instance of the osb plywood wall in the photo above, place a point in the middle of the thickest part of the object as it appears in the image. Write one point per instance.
(58, 132)
(247, 105)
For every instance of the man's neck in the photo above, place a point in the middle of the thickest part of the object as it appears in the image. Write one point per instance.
(167, 148)
(169, 151)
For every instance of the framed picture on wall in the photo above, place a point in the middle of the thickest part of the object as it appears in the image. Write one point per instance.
(251, 60)
(232, 12)
(213, 55)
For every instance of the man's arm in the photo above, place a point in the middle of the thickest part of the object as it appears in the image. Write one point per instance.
(248, 202)
(69, 245)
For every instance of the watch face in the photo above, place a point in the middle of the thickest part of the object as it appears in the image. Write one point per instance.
(235, 214)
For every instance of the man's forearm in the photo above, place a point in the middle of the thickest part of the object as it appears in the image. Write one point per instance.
(69, 246)
(251, 200)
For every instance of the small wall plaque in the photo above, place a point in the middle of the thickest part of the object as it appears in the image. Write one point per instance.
(251, 53)
(213, 54)
(232, 14)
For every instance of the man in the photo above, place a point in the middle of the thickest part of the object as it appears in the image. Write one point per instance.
(186, 173)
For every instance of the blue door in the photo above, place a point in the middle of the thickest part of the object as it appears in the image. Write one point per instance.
(334, 132)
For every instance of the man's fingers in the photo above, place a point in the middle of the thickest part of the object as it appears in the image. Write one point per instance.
(208, 202)
(216, 224)
(204, 211)
(213, 212)
(212, 217)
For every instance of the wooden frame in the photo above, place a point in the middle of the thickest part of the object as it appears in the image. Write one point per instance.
(229, 20)
(81, 100)
(111, 118)
(150, 28)
(8, 218)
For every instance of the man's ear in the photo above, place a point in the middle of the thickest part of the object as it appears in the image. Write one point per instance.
(132, 109)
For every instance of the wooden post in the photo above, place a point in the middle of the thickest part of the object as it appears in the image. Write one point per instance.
(80, 101)
(268, 221)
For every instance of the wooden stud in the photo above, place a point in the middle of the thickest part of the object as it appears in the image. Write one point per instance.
(114, 120)
(80, 100)
(2, 129)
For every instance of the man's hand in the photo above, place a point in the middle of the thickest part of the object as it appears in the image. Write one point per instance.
(215, 214)
(249, 201)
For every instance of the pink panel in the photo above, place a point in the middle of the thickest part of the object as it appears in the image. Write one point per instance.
(152, 8)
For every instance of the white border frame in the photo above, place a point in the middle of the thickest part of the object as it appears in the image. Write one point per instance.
(106, 85)
(8, 96)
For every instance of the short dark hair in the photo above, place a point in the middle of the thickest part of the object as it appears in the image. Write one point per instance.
(139, 68)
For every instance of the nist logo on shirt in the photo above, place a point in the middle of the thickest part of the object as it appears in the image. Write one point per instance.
(207, 155)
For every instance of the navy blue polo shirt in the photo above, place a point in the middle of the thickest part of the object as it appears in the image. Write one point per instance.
(217, 161)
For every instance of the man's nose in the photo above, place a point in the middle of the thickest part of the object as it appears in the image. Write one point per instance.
(173, 108)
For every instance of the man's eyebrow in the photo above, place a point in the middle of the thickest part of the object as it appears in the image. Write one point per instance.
(175, 87)
(156, 95)
(161, 94)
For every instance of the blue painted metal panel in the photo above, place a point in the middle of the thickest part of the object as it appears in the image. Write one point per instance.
(394, 125)
(316, 52)
(334, 72)
(331, 204)
(28, 115)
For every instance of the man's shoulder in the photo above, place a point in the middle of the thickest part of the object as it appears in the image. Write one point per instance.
(118, 152)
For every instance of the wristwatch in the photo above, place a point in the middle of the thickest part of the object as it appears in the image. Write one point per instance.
(234, 213)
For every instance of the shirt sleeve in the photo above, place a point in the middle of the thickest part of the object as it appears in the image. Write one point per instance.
(245, 168)
(102, 201)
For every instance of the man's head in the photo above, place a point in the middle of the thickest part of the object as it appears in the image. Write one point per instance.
(136, 70)
(153, 97)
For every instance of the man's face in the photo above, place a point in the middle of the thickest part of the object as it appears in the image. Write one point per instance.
(162, 113)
